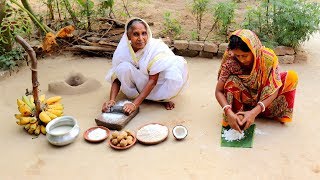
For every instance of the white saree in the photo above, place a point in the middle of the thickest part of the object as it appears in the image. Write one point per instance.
(133, 69)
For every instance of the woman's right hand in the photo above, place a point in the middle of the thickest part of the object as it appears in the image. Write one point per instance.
(233, 120)
(107, 105)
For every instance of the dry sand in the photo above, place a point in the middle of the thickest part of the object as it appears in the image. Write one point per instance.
(290, 151)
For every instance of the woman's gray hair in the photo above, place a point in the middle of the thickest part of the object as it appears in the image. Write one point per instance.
(133, 22)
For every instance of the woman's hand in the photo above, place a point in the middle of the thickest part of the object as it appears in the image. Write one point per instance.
(248, 119)
(107, 105)
(129, 108)
(233, 120)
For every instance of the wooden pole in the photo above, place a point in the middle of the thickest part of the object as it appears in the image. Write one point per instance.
(34, 72)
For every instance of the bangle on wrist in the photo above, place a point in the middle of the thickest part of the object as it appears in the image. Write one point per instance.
(113, 101)
(134, 105)
(226, 108)
(263, 107)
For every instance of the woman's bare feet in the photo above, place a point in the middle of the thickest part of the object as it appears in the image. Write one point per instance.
(169, 105)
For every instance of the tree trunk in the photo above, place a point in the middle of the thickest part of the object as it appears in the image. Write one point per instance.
(34, 72)
(8, 46)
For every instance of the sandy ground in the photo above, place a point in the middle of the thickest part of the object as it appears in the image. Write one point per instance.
(288, 151)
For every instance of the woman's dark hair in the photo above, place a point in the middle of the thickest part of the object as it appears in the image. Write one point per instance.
(237, 43)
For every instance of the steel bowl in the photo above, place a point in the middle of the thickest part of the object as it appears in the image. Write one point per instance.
(62, 130)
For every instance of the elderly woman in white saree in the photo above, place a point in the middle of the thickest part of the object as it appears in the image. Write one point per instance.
(145, 68)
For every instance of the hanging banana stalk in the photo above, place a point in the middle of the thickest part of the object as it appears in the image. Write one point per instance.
(34, 72)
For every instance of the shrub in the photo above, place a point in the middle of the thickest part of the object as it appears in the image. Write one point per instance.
(10, 59)
(224, 15)
(199, 8)
(284, 22)
(172, 27)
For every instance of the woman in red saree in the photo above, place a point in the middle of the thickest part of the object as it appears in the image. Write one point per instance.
(250, 84)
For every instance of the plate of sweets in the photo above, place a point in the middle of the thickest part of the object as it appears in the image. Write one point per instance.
(121, 140)
(152, 133)
(96, 134)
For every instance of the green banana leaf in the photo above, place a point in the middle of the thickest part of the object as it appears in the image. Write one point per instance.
(246, 142)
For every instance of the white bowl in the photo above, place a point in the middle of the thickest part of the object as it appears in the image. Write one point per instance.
(62, 130)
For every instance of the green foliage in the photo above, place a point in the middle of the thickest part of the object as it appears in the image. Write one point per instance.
(224, 15)
(284, 22)
(194, 35)
(199, 8)
(15, 22)
(106, 5)
(86, 4)
(10, 59)
(172, 27)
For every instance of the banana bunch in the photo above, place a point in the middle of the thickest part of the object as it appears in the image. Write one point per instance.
(51, 108)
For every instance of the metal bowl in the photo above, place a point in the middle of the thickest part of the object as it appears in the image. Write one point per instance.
(62, 130)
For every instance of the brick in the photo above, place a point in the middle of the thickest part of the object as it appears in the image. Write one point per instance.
(167, 41)
(205, 54)
(300, 56)
(180, 44)
(210, 47)
(222, 48)
(186, 52)
(286, 59)
(284, 50)
(196, 45)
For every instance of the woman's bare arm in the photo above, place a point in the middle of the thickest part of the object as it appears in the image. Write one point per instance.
(232, 118)
(115, 88)
(153, 79)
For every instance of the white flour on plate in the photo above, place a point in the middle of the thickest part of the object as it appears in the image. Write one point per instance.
(97, 134)
(152, 133)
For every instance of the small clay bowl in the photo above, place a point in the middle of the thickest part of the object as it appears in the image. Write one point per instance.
(134, 140)
(86, 134)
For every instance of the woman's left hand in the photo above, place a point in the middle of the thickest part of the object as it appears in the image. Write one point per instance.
(129, 108)
(248, 119)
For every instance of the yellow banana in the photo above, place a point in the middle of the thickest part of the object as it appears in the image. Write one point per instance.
(27, 127)
(43, 129)
(26, 100)
(37, 131)
(53, 100)
(51, 115)
(33, 120)
(42, 98)
(55, 112)
(56, 106)
(25, 110)
(20, 102)
(18, 116)
(18, 122)
(25, 120)
(32, 101)
(44, 117)
(33, 126)
(30, 131)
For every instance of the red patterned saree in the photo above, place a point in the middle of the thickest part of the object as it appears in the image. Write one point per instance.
(243, 92)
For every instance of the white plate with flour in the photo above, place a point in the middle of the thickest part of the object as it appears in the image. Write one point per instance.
(152, 133)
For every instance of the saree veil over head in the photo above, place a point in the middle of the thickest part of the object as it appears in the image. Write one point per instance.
(155, 57)
(244, 91)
